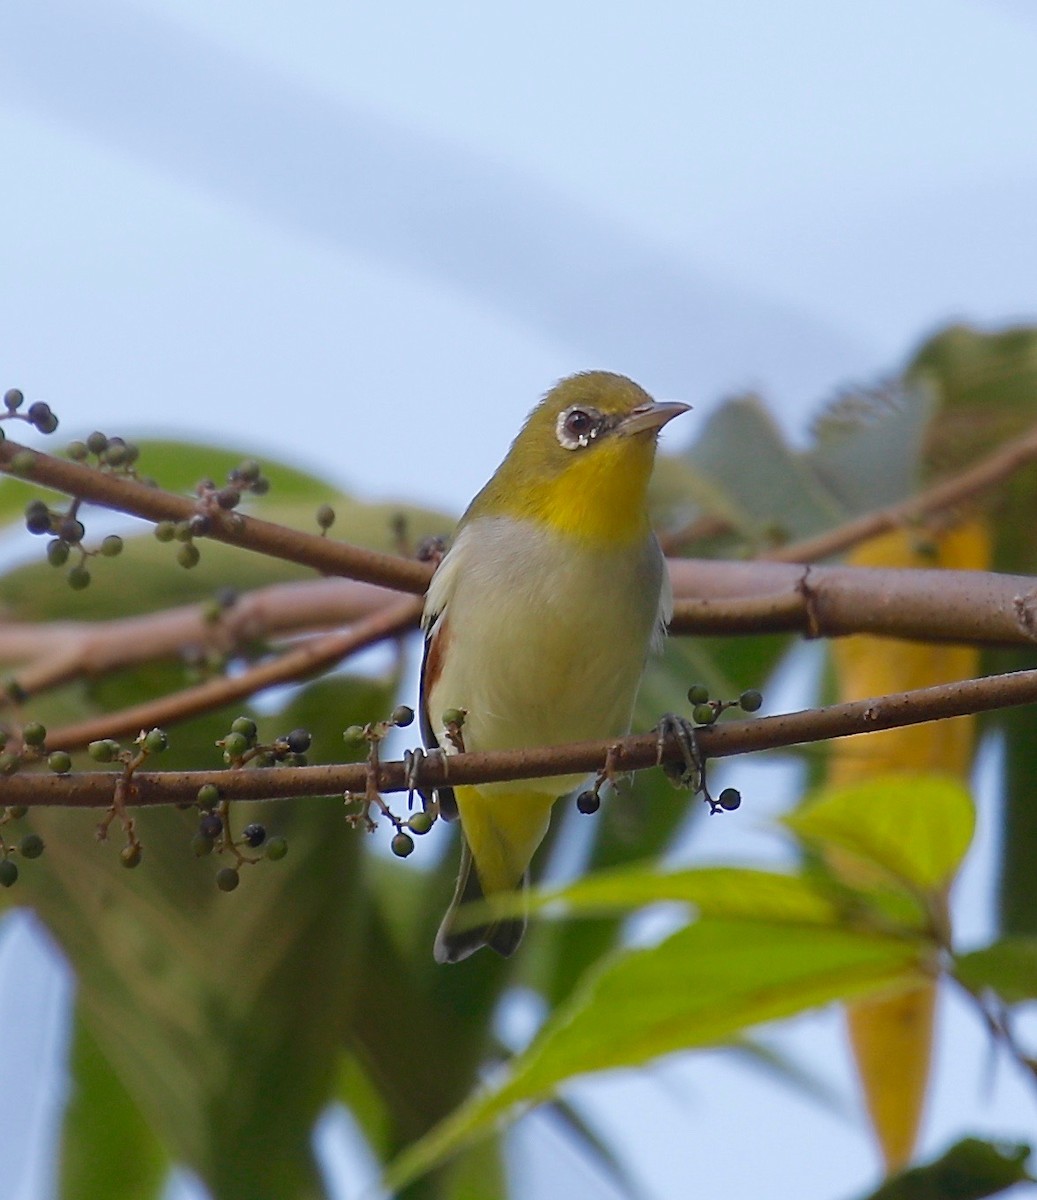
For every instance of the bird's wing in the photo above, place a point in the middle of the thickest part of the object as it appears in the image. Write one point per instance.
(434, 621)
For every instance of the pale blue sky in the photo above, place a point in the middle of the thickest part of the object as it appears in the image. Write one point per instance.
(368, 236)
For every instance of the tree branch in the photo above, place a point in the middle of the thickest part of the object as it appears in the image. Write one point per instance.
(308, 658)
(48, 654)
(976, 607)
(152, 504)
(636, 752)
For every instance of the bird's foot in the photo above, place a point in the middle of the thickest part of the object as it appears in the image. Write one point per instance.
(437, 802)
(690, 772)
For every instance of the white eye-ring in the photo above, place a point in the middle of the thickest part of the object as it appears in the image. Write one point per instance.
(578, 426)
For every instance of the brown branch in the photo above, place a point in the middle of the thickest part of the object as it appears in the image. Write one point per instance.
(48, 654)
(306, 659)
(152, 504)
(976, 607)
(94, 789)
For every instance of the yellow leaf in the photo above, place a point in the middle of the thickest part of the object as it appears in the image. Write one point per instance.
(892, 1038)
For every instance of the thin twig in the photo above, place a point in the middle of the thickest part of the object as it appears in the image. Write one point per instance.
(949, 493)
(292, 545)
(94, 788)
(306, 659)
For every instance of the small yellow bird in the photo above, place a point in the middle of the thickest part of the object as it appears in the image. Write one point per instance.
(538, 622)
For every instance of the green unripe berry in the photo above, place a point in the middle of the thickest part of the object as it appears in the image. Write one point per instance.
(402, 845)
(77, 451)
(354, 735)
(9, 763)
(17, 811)
(730, 799)
(325, 516)
(97, 442)
(59, 762)
(227, 879)
(188, 555)
(31, 846)
(420, 823)
(201, 845)
(248, 471)
(111, 546)
(750, 700)
(130, 856)
(13, 398)
(208, 795)
(245, 726)
(454, 716)
(34, 734)
(8, 873)
(276, 848)
(57, 552)
(704, 714)
(103, 750)
(402, 716)
(78, 578)
(165, 531)
(698, 693)
(115, 452)
(235, 744)
(23, 463)
(156, 740)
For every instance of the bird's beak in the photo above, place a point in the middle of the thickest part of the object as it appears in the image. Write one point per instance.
(650, 418)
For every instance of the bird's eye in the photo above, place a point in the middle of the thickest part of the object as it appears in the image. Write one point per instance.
(578, 427)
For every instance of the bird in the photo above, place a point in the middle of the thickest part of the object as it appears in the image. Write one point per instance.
(538, 622)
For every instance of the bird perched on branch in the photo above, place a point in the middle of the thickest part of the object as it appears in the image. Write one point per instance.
(538, 622)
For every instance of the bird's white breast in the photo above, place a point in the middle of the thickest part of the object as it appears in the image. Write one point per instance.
(546, 638)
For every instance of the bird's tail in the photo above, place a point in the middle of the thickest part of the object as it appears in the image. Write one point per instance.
(457, 937)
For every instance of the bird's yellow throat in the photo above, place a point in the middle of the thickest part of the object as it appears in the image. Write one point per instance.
(599, 498)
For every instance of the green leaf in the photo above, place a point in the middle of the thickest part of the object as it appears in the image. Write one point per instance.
(868, 445)
(704, 985)
(970, 1170)
(730, 893)
(748, 497)
(220, 1015)
(101, 1123)
(915, 828)
(1008, 967)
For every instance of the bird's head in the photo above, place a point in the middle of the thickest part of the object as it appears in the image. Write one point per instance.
(582, 461)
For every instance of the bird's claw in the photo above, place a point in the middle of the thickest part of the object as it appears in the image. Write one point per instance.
(435, 801)
(689, 774)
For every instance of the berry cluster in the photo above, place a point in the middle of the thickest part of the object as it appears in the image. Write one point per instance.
(29, 846)
(212, 500)
(30, 747)
(39, 415)
(241, 746)
(214, 833)
(113, 454)
(67, 539)
(371, 735)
